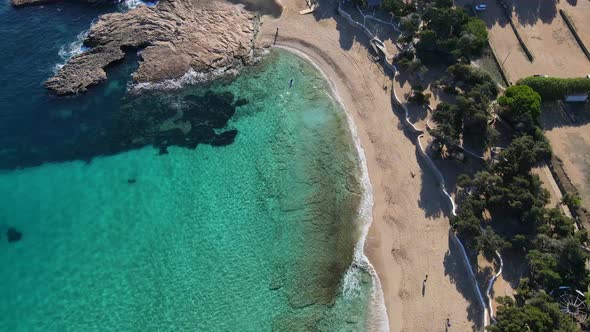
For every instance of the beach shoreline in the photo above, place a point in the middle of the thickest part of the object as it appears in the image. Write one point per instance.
(408, 237)
(377, 314)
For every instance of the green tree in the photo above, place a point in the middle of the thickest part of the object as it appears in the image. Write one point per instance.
(521, 106)
(411, 23)
(520, 156)
(555, 224)
(543, 269)
(489, 242)
(539, 314)
(571, 200)
(418, 96)
(399, 7)
(427, 40)
(474, 36)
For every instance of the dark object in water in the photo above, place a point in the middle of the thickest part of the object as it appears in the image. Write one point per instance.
(290, 83)
(241, 102)
(131, 181)
(158, 119)
(13, 234)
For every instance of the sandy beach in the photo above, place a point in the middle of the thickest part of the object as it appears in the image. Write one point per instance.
(409, 236)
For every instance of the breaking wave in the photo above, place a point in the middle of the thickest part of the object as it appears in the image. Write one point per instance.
(72, 49)
(131, 4)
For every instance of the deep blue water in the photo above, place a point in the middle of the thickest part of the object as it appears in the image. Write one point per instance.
(30, 118)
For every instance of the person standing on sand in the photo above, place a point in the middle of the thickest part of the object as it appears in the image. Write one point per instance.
(276, 36)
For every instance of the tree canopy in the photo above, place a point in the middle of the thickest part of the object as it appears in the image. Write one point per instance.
(521, 106)
(451, 31)
(539, 314)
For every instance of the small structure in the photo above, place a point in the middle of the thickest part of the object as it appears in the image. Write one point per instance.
(582, 98)
(571, 302)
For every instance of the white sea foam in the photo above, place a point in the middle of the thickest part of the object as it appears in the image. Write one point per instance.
(131, 4)
(70, 50)
(189, 78)
(377, 315)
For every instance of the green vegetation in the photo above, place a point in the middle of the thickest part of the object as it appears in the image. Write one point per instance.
(418, 96)
(521, 107)
(450, 31)
(506, 189)
(514, 197)
(468, 119)
(399, 7)
(539, 314)
(553, 88)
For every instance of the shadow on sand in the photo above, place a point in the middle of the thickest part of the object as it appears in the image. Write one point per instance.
(455, 270)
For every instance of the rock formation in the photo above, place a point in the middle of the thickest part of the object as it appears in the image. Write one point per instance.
(23, 3)
(174, 37)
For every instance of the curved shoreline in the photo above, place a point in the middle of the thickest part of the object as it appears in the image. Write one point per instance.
(377, 311)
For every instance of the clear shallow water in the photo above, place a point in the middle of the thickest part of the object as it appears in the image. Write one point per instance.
(255, 235)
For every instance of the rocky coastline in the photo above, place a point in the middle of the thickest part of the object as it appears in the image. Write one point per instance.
(173, 37)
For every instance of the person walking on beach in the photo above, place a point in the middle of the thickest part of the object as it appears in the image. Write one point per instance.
(276, 36)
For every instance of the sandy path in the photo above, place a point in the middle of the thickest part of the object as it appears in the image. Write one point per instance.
(409, 236)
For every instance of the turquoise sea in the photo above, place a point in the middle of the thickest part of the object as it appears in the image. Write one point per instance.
(231, 206)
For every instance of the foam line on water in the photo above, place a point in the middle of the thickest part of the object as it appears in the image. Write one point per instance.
(377, 311)
(193, 77)
(189, 78)
(66, 52)
(132, 4)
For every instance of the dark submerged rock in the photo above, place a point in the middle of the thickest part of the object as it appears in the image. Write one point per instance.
(160, 119)
(13, 235)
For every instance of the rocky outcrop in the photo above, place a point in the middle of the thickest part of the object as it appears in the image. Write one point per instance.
(23, 3)
(175, 36)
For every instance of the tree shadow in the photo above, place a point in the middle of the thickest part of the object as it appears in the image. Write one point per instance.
(327, 9)
(560, 114)
(531, 11)
(523, 12)
(431, 199)
(416, 112)
(515, 267)
(458, 275)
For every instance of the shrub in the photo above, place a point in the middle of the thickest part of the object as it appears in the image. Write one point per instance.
(553, 88)
(521, 107)
(540, 314)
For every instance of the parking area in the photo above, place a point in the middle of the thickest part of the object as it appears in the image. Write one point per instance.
(543, 30)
